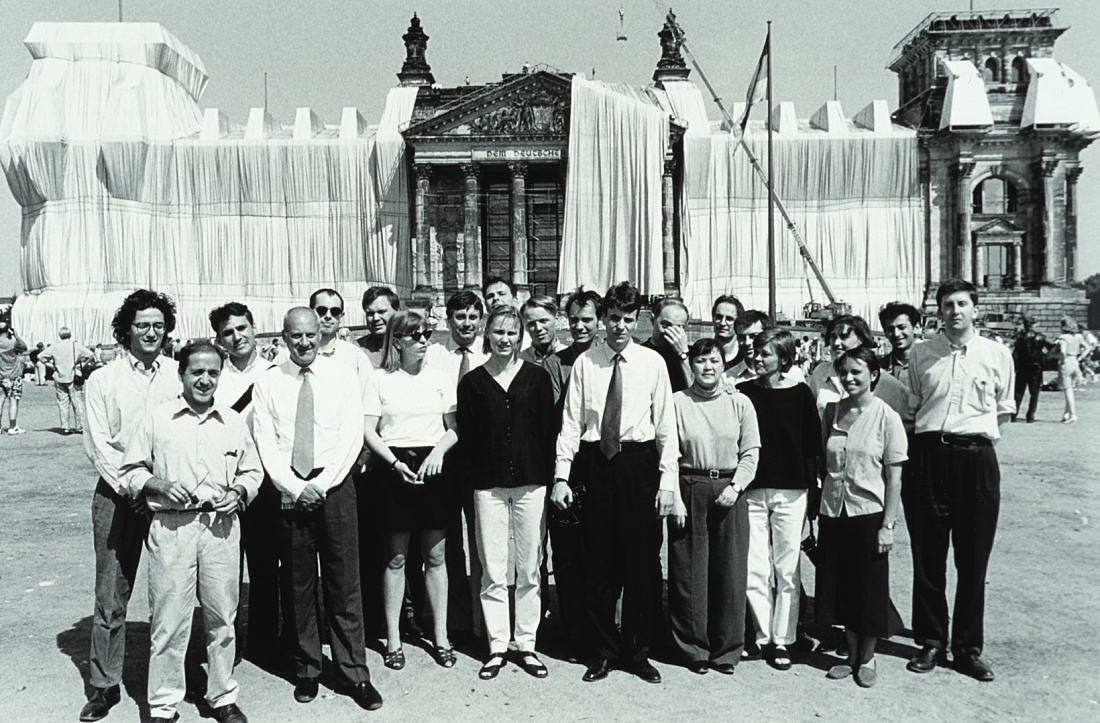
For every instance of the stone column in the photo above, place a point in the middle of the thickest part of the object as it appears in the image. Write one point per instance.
(1017, 265)
(422, 248)
(964, 241)
(979, 265)
(1073, 172)
(668, 215)
(471, 236)
(519, 223)
(1050, 270)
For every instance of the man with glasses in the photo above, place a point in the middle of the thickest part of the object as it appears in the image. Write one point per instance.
(117, 398)
(329, 306)
(379, 303)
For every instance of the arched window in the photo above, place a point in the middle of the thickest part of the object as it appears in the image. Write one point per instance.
(1019, 70)
(995, 196)
(992, 71)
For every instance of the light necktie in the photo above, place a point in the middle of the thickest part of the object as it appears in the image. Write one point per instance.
(301, 459)
(464, 366)
(610, 442)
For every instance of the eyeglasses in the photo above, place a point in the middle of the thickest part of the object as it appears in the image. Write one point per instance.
(417, 335)
(336, 311)
(145, 326)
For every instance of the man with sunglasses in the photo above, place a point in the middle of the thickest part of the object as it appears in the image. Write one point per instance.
(329, 306)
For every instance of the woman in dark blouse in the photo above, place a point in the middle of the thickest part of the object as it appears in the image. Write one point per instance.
(790, 444)
(506, 417)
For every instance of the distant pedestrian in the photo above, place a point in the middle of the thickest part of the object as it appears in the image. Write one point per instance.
(1071, 346)
(68, 360)
(1028, 352)
(11, 376)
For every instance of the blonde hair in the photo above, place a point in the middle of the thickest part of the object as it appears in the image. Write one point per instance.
(401, 323)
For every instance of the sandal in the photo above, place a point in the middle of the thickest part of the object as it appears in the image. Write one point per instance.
(492, 667)
(780, 658)
(445, 656)
(394, 659)
(532, 665)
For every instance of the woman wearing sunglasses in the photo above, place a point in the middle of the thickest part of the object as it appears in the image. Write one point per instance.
(410, 427)
(506, 410)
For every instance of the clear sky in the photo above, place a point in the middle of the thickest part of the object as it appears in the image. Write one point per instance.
(328, 54)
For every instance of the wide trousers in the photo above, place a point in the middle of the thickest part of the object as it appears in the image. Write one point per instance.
(622, 538)
(70, 404)
(517, 514)
(119, 535)
(954, 499)
(268, 590)
(330, 532)
(193, 557)
(708, 574)
(776, 517)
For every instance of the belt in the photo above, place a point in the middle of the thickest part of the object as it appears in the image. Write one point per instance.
(625, 446)
(957, 440)
(712, 473)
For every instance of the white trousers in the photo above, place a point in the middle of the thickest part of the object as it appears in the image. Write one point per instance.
(776, 517)
(193, 557)
(517, 514)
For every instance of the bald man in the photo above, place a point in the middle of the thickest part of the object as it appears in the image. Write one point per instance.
(309, 431)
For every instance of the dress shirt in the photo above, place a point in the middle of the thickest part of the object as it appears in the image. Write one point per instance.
(116, 398)
(856, 459)
(207, 453)
(337, 423)
(551, 363)
(350, 356)
(648, 413)
(718, 431)
(235, 385)
(447, 357)
(960, 390)
(65, 355)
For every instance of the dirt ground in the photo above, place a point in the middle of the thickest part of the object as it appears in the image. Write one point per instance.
(1042, 614)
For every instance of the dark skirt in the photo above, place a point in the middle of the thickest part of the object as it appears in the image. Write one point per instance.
(404, 507)
(852, 585)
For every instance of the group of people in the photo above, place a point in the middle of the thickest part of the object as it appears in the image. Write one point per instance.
(428, 477)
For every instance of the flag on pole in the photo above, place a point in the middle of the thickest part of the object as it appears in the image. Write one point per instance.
(758, 86)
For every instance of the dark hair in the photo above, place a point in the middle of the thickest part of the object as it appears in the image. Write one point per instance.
(728, 299)
(783, 341)
(464, 300)
(318, 292)
(197, 347)
(702, 347)
(863, 354)
(498, 280)
(580, 298)
(663, 302)
(954, 286)
(538, 301)
(857, 324)
(401, 323)
(623, 296)
(220, 315)
(750, 317)
(512, 313)
(141, 300)
(375, 291)
(895, 309)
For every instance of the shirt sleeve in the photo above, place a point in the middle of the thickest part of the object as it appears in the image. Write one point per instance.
(372, 396)
(275, 460)
(895, 448)
(137, 463)
(1006, 374)
(104, 453)
(664, 430)
(914, 384)
(250, 472)
(350, 444)
(748, 455)
(448, 390)
(572, 421)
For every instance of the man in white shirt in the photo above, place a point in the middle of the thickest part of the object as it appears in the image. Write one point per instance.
(329, 306)
(68, 358)
(117, 398)
(235, 332)
(619, 427)
(308, 427)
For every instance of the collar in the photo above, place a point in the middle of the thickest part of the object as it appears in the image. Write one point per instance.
(140, 366)
(330, 351)
(181, 408)
(605, 351)
(453, 346)
(256, 360)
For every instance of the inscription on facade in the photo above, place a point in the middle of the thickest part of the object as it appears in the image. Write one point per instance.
(516, 154)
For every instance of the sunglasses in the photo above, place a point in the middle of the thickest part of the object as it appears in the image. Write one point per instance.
(417, 335)
(336, 311)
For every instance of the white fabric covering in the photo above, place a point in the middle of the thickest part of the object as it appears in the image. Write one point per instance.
(965, 103)
(1059, 96)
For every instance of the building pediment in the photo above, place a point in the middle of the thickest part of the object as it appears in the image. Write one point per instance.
(526, 106)
(998, 227)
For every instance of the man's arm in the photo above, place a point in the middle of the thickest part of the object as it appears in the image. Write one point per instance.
(664, 426)
(20, 345)
(136, 468)
(572, 421)
(104, 453)
(275, 461)
(1006, 399)
(250, 471)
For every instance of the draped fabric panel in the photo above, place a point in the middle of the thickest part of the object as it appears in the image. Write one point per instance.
(120, 191)
(612, 227)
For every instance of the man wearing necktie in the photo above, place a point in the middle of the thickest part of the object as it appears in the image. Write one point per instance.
(619, 430)
(309, 431)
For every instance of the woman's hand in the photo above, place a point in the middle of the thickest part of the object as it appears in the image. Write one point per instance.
(407, 475)
(432, 467)
(885, 540)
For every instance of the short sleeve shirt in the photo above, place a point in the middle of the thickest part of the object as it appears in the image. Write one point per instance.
(856, 459)
(410, 406)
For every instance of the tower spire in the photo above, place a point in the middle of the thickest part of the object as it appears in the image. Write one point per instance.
(415, 70)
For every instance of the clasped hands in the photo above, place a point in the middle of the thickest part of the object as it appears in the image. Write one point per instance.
(230, 501)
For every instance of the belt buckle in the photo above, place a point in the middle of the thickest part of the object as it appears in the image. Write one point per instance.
(943, 438)
(713, 474)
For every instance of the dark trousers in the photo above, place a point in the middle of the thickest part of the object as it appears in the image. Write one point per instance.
(371, 557)
(953, 498)
(268, 591)
(567, 546)
(622, 538)
(708, 575)
(331, 532)
(1031, 381)
(118, 534)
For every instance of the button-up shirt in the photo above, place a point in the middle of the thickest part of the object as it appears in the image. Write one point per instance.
(337, 423)
(235, 385)
(960, 390)
(65, 355)
(647, 414)
(447, 357)
(207, 453)
(116, 399)
(551, 363)
(856, 459)
(351, 356)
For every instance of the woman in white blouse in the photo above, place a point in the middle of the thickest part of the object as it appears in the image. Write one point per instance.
(865, 446)
(410, 423)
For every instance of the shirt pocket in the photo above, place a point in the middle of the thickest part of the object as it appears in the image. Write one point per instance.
(232, 461)
(982, 396)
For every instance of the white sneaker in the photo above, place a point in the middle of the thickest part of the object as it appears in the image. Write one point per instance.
(16, 430)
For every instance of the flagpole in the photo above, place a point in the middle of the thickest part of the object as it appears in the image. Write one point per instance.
(771, 190)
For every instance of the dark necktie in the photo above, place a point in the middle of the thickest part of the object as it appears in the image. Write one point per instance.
(612, 420)
(464, 366)
(301, 459)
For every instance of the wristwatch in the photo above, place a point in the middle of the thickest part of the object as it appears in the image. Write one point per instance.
(889, 526)
(684, 355)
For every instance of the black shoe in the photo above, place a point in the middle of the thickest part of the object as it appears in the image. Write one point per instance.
(645, 670)
(699, 667)
(597, 671)
(100, 704)
(725, 668)
(780, 658)
(926, 660)
(230, 714)
(975, 667)
(366, 695)
(305, 690)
